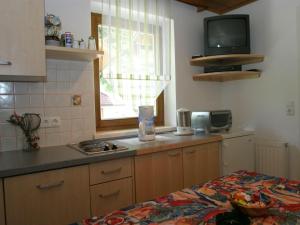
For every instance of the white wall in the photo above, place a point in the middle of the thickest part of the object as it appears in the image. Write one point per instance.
(261, 103)
(188, 41)
(75, 16)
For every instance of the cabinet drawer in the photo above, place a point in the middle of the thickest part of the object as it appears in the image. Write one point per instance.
(111, 196)
(110, 170)
(57, 197)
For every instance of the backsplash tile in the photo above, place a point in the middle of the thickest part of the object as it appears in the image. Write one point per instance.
(52, 98)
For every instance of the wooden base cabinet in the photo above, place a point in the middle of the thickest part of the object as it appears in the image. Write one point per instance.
(57, 197)
(201, 163)
(2, 215)
(158, 174)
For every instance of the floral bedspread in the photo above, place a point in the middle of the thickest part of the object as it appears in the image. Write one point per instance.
(201, 204)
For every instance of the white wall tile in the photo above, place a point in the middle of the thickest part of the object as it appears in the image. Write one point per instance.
(7, 101)
(77, 125)
(6, 87)
(53, 139)
(22, 101)
(76, 112)
(36, 101)
(51, 75)
(21, 88)
(63, 75)
(36, 88)
(7, 130)
(66, 138)
(52, 64)
(51, 100)
(8, 143)
(63, 87)
(5, 114)
(51, 87)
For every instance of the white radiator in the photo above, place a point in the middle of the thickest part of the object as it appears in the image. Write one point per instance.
(272, 158)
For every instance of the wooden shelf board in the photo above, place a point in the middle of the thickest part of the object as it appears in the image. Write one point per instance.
(227, 60)
(55, 52)
(226, 76)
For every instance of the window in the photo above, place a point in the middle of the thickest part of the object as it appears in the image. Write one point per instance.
(111, 111)
(129, 73)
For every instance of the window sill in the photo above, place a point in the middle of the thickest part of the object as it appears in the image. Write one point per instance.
(129, 132)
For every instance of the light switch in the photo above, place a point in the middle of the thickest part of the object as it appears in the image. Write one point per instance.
(290, 108)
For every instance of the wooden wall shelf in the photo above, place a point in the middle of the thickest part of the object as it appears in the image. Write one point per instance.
(226, 76)
(55, 52)
(227, 60)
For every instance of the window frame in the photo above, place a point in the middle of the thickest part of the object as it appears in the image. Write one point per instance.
(116, 124)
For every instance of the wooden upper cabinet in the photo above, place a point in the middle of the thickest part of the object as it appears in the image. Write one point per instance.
(2, 215)
(158, 174)
(57, 197)
(201, 163)
(22, 42)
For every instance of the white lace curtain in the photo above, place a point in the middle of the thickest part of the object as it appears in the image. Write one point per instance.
(136, 36)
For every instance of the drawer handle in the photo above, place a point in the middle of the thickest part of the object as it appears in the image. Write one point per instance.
(49, 186)
(174, 154)
(111, 171)
(5, 63)
(191, 152)
(110, 194)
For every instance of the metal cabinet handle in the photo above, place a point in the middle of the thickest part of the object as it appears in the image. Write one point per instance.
(49, 186)
(5, 63)
(174, 154)
(111, 171)
(190, 152)
(110, 194)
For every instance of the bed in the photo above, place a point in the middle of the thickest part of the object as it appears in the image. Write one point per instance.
(202, 204)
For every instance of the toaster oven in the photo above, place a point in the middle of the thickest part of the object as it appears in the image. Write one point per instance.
(211, 121)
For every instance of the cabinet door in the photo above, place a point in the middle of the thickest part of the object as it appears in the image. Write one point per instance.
(158, 174)
(2, 216)
(22, 42)
(201, 163)
(57, 197)
(111, 196)
(238, 154)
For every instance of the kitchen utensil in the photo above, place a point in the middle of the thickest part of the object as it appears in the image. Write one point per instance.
(184, 122)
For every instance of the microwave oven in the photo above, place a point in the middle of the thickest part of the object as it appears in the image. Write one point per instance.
(211, 121)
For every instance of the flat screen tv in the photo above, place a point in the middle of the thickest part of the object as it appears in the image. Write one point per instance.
(225, 35)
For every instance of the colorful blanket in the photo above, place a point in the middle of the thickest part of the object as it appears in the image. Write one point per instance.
(201, 204)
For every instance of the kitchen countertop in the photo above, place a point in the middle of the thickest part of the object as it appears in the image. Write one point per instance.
(13, 163)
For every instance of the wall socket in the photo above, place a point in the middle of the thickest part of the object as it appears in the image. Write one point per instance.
(48, 122)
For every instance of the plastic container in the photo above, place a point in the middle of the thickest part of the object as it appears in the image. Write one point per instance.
(146, 130)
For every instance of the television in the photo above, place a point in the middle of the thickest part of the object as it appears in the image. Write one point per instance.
(229, 34)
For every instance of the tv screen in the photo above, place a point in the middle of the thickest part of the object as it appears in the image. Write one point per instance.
(227, 35)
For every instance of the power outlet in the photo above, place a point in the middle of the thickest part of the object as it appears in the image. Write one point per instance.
(48, 122)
